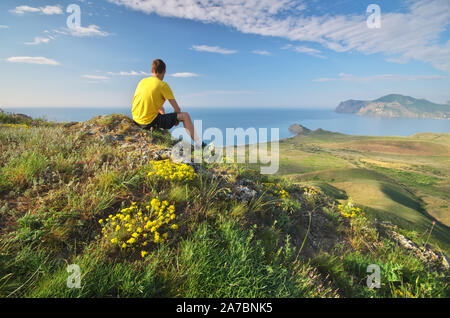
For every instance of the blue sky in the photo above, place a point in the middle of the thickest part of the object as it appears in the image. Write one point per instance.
(235, 53)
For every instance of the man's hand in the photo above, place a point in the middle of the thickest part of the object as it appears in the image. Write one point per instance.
(162, 111)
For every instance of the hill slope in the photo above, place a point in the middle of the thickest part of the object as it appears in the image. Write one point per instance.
(104, 195)
(401, 179)
(395, 105)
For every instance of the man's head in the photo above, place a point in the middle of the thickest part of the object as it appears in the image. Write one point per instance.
(159, 68)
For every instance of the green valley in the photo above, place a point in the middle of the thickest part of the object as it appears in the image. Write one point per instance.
(404, 180)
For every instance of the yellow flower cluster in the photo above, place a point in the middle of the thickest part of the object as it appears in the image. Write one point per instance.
(171, 171)
(136, 227)
(406, 294)
(311, 191)
(15, 126)
(349, 210)
(276, 189)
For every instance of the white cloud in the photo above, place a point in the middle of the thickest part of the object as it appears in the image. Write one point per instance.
(130, 73)
(47, 10)
(379, 77)
(212, 49)
(398, 60)
(261, 52)
(413, 33)
(4, 27)
(142, 73)
(304, 50)
(56, 31)
(184, 74)
(324, 79)
(38, 40)
(96, 77)
(92, 30)
(50, 10)
(23, 9)
(32, 60)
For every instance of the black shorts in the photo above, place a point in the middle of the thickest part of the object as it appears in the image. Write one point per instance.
(165, 121)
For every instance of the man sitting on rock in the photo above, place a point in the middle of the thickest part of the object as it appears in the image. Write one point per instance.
(148, 111)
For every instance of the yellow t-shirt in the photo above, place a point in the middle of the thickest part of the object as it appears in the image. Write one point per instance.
(150, 95)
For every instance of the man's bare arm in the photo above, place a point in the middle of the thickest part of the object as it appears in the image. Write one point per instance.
(175, 106)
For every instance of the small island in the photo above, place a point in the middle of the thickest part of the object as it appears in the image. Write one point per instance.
(395, 106)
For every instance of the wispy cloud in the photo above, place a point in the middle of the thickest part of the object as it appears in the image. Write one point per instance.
(304, 50)
(185, 74)
(4, 27)
(80, 32)
(38, 40)
(261, 52)
(379, 77)
(90, 31)
(47, 10)
(212, 49)
(96, 77)
(142, 73)
(410, 34)
(130, 73)
(56, 32)
(32, 60)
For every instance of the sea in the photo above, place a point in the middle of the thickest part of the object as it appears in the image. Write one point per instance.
(260, 119)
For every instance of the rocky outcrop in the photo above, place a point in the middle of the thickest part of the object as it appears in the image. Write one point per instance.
(138, 145)
(23, 116)
(298, 129)
(434, 259)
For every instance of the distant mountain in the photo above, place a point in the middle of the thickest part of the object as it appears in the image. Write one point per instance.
(395, 105)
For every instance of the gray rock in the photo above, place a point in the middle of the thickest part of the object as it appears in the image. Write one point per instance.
(298, 129)
(23, 116)
(108, 139)
(119, 137)
(425, 253)
(245, 193)
(125, 146)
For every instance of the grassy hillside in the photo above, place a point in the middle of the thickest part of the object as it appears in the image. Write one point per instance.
(404, 180)
(103, 195)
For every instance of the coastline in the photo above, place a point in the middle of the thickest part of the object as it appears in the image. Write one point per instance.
(223, 118)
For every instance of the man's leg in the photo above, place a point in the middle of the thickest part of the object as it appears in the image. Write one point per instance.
(188, 125)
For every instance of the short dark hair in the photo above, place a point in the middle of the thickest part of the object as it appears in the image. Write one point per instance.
(158, 66)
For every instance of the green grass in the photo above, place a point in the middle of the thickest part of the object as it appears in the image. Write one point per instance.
(57, 182)
(298, 163)
(222, 262)
(227, 263)
(411, 193)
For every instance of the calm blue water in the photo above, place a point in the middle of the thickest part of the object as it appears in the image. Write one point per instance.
(223, 118)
